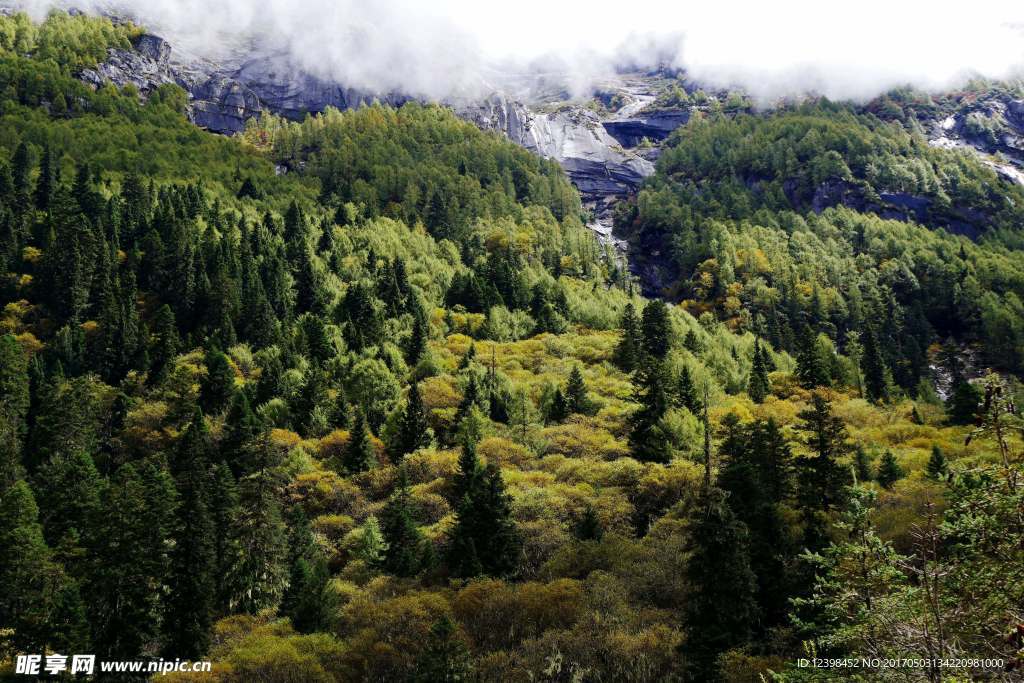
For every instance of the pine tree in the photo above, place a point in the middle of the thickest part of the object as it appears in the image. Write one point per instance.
(811, 365)
(821, 480)
(686, 392)
(27, 571)
(576, 399)
(759, 386)
(260, 574)
(14, 406)
(166, 345)
(132, 557)
(192, 580)
(647, 440)
(862, 465)
(445, 659)
(372, 546)
(224, 514)
(656, 330)
(876, 387)
(484, 540)
(937, 467)
(414, 430)
(219, 384)
(722, 610)
(889, 470)
(589, 527)
(627, 353)
(963, 403)
(241, 426)
(358, 455)
(404, 543)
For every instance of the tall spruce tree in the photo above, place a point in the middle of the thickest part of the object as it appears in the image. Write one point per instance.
(628, 352)
(403, 555)
(414, 430)
(759, 386)
(722, 609)
(358, 455)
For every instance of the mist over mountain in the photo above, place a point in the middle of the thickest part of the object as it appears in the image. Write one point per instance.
(456, 47)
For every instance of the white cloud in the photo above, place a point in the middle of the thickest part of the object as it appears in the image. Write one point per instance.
(437, 48)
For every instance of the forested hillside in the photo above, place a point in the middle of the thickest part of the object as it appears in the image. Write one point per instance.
(360, 398)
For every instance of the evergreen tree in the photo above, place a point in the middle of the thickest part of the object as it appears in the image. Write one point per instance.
(14, 407)
(862, 465)
(889, 471)
(219, 384)
(576, 399)
(132, 558)
(822, 480)
(224, 514)
(963, 403)
(627, 353)
(485, 540)
(372, 546)
(937, 467)
(241, 426)
(192, 580)
(656, 329)
(166, 345)
(559, 408)
(759, 386)
(445, 659)
(647, 439)
(417, 342)
(403, 554)
(722, 610)
(310, 600)
(686, 392)
(811, 364)
(414, 430)
(27, 572)
(358, 455)
(589, 527)
(260, 575)
(876, 386)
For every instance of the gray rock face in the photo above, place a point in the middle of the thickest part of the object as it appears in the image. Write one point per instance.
(223, 105)
(573, 136)
(290, 91)
(145, 67)
(654, 126)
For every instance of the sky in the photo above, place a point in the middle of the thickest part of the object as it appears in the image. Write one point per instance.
(439, 48)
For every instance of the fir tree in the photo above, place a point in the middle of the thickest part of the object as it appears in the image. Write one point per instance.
(589, 527)
(628, 351)
(403, 541)
(963, 403)
(876, 386)
(219, 384)
(166, 345)
(26, 571)
(822, 480)
(414, 430)
(722, 608)
(686, 392)
(558, 410)
(445, 659)
(14, 407)
(647, 439)
(193, 563)
(224, 514)
(358, 455)
(889, 471)
(811, 365)
(372, 546)
(576, 399)
(132, 557)
(862, 465)
(310, 601)
(656, 329)
(759, 386)
(937, 467)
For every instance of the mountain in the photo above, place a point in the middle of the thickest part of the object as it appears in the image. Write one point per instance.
(358, 397)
